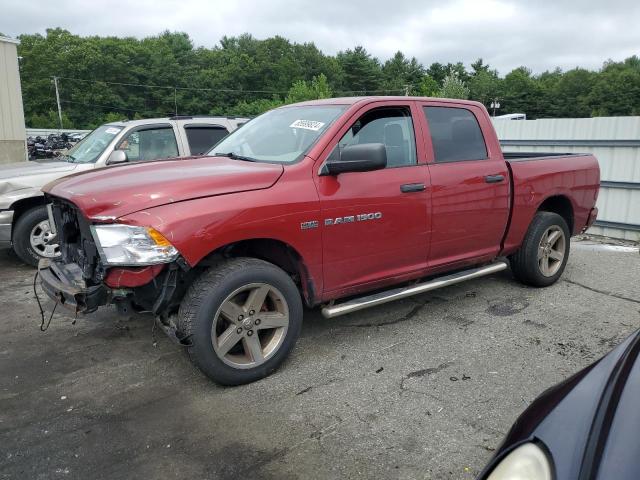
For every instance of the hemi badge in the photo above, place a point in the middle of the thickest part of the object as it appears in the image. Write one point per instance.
(309, 224)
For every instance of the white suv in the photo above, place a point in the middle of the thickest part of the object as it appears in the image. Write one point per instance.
(24, 224)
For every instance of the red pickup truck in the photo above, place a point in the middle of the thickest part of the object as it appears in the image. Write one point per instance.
(343, 203)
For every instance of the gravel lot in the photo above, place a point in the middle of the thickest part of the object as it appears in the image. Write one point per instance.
(421, 388)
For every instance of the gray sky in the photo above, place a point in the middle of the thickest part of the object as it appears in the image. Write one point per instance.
(540, 34)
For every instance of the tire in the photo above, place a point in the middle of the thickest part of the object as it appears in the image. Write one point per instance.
(36, 222)
(221, 301)
(537, 263)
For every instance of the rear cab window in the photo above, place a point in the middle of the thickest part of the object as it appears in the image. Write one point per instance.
(202, 137)
(455, 134)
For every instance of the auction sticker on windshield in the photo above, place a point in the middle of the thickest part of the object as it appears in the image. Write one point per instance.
(112, 131)
(307, 125)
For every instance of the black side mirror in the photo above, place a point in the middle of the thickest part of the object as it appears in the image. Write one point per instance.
(364, 157)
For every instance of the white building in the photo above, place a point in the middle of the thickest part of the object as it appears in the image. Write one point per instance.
(12, 129)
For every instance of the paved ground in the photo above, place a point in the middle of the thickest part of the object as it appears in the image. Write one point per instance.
(422, 388)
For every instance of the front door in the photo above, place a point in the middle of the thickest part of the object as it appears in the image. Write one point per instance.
(375, 224)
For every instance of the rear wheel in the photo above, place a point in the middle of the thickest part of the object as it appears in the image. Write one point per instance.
(242, 318)
(544, 251)
(32, 237)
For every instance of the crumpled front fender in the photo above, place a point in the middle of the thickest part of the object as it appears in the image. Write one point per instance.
(11, 192)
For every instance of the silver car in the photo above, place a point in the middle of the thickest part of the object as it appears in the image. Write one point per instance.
(24, 224)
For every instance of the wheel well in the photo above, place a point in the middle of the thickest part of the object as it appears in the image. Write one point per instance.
(560, 205)
(19, 207)
(273, 251)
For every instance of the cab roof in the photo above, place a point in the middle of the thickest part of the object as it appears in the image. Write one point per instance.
(368, 99)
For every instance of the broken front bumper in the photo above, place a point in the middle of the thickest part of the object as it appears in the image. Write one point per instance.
(64, 284)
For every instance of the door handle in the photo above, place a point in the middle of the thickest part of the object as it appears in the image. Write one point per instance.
(412, 187)
(494, 178)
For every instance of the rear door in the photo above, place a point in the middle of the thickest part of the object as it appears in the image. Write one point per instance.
(201, 137)
(469, 186)
(375, 224)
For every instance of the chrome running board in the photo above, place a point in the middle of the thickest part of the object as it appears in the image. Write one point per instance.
(375, 299)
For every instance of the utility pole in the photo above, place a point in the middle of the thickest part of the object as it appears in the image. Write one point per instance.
(175, 99)
(55, 82)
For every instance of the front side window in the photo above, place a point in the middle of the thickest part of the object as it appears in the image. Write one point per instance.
(455, 134)
(390, 126)
(89, 149)
(282, 135)
(202, 137)
(150, 144)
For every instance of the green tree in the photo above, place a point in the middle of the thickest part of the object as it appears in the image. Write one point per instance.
(521, 93)
(484, 86)
(439, 72)
(400, 73)
(428, 87)
(569, 96)
(49, 119)
(302, 90)
(478, 67)
(107, 77)
(616, 91)
(255, 107)
(361, 72)
(453, 87)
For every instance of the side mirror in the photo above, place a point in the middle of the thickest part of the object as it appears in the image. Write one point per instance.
(357, 158)
(117, 156)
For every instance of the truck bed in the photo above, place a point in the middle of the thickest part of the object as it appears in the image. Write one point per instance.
(522, 156)
(572, 179)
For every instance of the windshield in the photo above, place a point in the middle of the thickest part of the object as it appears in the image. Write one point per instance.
(282, 135)
(90, 147)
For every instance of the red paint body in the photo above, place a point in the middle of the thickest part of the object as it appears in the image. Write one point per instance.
(203, 204)
(119, 277)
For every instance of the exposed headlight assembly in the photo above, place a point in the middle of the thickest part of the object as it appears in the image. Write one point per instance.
(130, 245)
(527, 462)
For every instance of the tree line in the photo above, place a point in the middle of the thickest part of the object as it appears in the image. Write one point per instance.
(103, 79)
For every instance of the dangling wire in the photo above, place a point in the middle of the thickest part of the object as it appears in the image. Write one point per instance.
(43, 327)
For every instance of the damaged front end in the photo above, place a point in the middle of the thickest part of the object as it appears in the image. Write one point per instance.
(64, 284)
(81, 280)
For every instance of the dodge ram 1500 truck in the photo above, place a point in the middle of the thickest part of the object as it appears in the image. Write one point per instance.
(24, 225)
(343, 203)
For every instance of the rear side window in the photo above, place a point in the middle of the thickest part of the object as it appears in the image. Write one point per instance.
(455, 134)
(202, 138)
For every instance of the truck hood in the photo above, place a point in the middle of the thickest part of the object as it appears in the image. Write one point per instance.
(16, 176)
(108, 193)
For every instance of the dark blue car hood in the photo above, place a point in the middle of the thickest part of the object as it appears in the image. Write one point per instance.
(590, 422)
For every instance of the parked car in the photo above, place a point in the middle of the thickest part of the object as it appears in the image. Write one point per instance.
(24, 224)
(321, 202)
(583, 428)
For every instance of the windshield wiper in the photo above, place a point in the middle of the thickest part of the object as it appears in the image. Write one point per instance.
(235, 156)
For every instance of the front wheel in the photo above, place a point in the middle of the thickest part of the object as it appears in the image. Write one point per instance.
(32, 237)
(242, 318)
(544, 251)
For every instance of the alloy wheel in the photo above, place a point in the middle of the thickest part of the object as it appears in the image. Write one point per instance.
(551, 250)
(250, 325)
